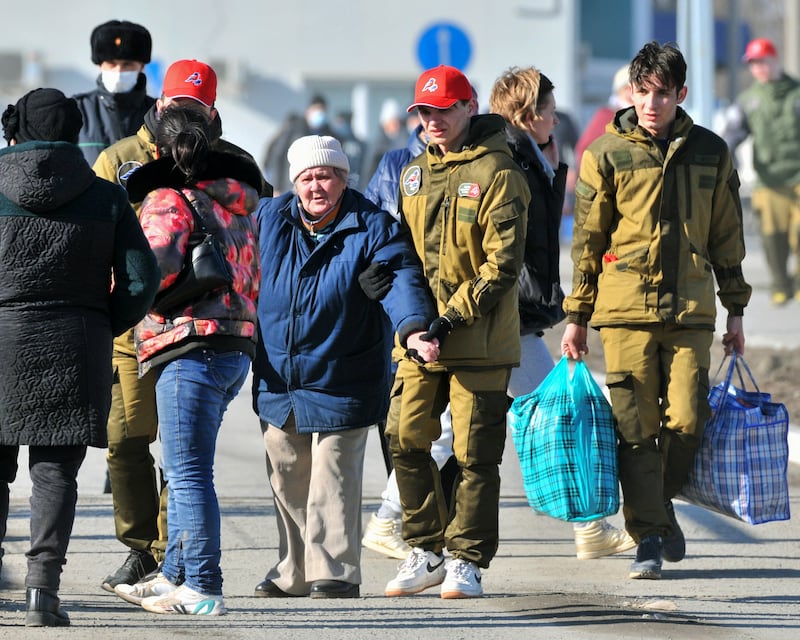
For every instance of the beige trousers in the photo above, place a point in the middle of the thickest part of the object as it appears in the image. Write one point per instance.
(316, 483)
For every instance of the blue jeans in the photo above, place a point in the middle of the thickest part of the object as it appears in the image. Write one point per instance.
(192, 393)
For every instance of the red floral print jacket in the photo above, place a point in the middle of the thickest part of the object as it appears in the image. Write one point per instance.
(226, 206)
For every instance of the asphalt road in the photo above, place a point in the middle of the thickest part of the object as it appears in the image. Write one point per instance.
(737, 582)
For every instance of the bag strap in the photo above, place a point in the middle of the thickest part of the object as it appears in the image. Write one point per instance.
(737, 361)
(198, 219)
(740, 361)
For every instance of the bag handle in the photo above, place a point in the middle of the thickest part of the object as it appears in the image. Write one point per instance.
(741, 361)
(198, 219)
(737, 363)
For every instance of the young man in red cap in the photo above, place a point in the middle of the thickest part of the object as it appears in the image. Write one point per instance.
(116, 107)
(767, 111)
(465, 203)
(139, 516)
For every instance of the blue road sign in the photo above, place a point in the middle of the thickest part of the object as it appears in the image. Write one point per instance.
(444, 43)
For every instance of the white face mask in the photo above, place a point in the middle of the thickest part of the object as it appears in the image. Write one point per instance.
(119, 81)
(317, 119)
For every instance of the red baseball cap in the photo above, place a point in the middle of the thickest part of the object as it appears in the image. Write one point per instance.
(440, 88)
(191, 79)
(760, 48)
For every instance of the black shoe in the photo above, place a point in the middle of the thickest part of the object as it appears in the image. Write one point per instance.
(334, 589)
(268, 589)
(674, 545)
(136, 566)
(647, 565)
(43, 609)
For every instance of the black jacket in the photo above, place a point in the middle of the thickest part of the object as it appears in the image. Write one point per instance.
(63, 231)
(540, 294)
(108, 117)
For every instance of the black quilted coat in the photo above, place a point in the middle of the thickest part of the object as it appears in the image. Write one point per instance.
(62, 232)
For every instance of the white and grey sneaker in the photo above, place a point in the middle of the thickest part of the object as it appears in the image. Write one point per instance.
(135, 593)
(421, 569)
(185, 601)
(463, 580)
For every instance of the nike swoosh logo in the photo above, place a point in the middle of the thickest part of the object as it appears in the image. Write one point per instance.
(432, 568)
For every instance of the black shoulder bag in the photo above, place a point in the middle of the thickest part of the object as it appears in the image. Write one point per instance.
(205, 269)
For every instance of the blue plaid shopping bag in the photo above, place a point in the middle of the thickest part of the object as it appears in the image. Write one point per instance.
(567, 446)
(740, 468)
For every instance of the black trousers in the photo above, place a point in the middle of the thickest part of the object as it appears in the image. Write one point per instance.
(53, 472)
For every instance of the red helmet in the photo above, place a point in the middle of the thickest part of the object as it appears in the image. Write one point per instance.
(760, 48)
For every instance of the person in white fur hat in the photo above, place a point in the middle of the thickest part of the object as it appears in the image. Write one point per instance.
(322, 374)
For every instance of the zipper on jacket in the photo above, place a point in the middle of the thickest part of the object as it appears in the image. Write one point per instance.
(445, 222)
(688, 186)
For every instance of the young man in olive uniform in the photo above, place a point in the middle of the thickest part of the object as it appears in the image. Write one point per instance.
(465, 203)
(657, 219)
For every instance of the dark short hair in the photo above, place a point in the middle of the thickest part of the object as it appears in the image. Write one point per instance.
(665, 62)
(318, 99)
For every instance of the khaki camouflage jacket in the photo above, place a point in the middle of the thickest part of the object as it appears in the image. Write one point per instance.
(654, 228)
(467, 212)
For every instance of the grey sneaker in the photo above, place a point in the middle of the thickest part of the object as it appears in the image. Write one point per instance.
(136, 566)
(647, 565)
(674, 545)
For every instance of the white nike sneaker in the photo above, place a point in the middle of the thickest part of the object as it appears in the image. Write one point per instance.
(421, 569)
(463, 580)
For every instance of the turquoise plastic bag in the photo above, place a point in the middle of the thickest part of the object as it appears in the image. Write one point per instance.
(567, 446)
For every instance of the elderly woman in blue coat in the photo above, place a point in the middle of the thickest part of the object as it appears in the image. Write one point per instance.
(322, 374)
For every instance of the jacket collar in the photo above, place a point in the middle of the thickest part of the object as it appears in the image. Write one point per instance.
(627, 124)
(163, 173)
(486, 134)
(348, 217)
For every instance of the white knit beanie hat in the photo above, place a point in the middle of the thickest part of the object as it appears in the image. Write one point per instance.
(315, 151)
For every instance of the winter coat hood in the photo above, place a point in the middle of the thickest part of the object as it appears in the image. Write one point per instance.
(42, 176)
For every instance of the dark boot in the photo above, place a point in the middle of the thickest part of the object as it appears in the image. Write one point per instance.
(44, 609)
(776, 252)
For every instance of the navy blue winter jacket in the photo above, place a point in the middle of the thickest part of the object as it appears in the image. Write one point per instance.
(321, 342)
(384, 184)
(108, 117)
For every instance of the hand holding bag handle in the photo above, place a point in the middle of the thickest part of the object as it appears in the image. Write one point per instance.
(740, 468)
(205, 268)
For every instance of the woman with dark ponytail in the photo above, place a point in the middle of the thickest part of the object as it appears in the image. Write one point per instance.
(200, 350)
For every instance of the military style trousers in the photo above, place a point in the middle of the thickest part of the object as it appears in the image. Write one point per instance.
(478, 404)
(140, 512)
(657, 376)
(778, 211)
